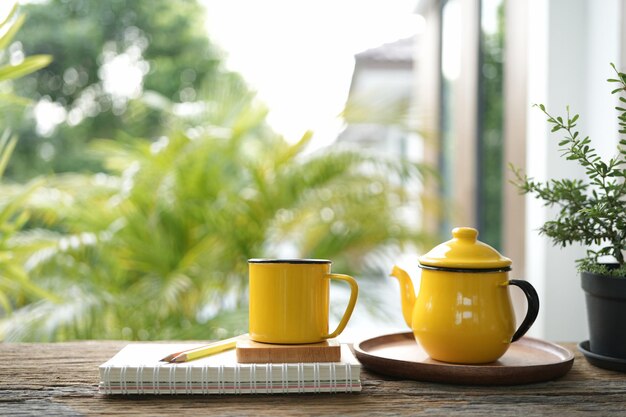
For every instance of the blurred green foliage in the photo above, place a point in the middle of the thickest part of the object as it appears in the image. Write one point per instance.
(154, 243)
(16, 288)
(12, 68)
(158, 248)
(491, 129)
(165, 39)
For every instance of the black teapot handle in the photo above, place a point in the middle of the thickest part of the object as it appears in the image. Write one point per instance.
(533, 307)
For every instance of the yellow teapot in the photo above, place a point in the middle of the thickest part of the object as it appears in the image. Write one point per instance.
(463, 312)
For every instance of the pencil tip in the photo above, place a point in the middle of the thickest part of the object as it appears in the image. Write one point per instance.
(179, 358)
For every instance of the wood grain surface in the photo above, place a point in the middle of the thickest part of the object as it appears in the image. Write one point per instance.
(61, 379)
(249, 351)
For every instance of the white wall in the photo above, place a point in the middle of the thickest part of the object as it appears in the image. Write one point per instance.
(571, 43)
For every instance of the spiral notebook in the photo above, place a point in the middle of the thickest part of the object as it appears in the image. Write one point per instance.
(136, 369)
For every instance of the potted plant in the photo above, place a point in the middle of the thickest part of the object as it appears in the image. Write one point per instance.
(592, 212)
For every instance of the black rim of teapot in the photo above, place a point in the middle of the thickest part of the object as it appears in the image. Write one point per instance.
(468, 270)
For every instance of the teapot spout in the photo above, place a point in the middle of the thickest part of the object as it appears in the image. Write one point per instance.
(407, 293)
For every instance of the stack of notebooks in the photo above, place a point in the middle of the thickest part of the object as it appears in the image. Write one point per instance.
(137, 369)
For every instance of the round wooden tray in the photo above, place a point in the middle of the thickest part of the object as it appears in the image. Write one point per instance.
(527, 360)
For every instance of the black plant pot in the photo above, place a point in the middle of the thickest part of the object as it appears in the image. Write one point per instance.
(606, 313)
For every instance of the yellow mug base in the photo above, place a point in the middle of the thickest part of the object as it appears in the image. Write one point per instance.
(271, 341)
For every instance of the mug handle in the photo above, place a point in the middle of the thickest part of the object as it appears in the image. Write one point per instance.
(533, 307)
(354, 292)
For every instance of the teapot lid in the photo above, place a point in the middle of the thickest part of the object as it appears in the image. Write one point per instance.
(465, 251)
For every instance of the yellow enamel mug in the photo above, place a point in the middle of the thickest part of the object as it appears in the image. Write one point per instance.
(289, 300)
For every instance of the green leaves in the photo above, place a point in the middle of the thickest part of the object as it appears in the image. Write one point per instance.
(16, 286)
(7, 144)
(592, 212)
(9, 28)
(30, 64)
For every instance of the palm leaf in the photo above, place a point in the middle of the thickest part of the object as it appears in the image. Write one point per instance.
(7, 144)
(10, 26)
(30, 64)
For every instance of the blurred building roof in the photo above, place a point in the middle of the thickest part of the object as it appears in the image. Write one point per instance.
(389, 57)
(401, 50)
(380, 94)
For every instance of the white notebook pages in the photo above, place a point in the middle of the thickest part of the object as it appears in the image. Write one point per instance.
(136, 369)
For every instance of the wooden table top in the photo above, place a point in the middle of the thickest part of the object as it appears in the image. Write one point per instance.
(62, 378)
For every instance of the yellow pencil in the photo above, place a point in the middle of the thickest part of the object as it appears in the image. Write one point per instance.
(202, 351)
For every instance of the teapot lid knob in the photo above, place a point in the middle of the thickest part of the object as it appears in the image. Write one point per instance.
(467, 233)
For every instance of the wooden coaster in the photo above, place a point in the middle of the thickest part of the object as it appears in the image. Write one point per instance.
(249, 351)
